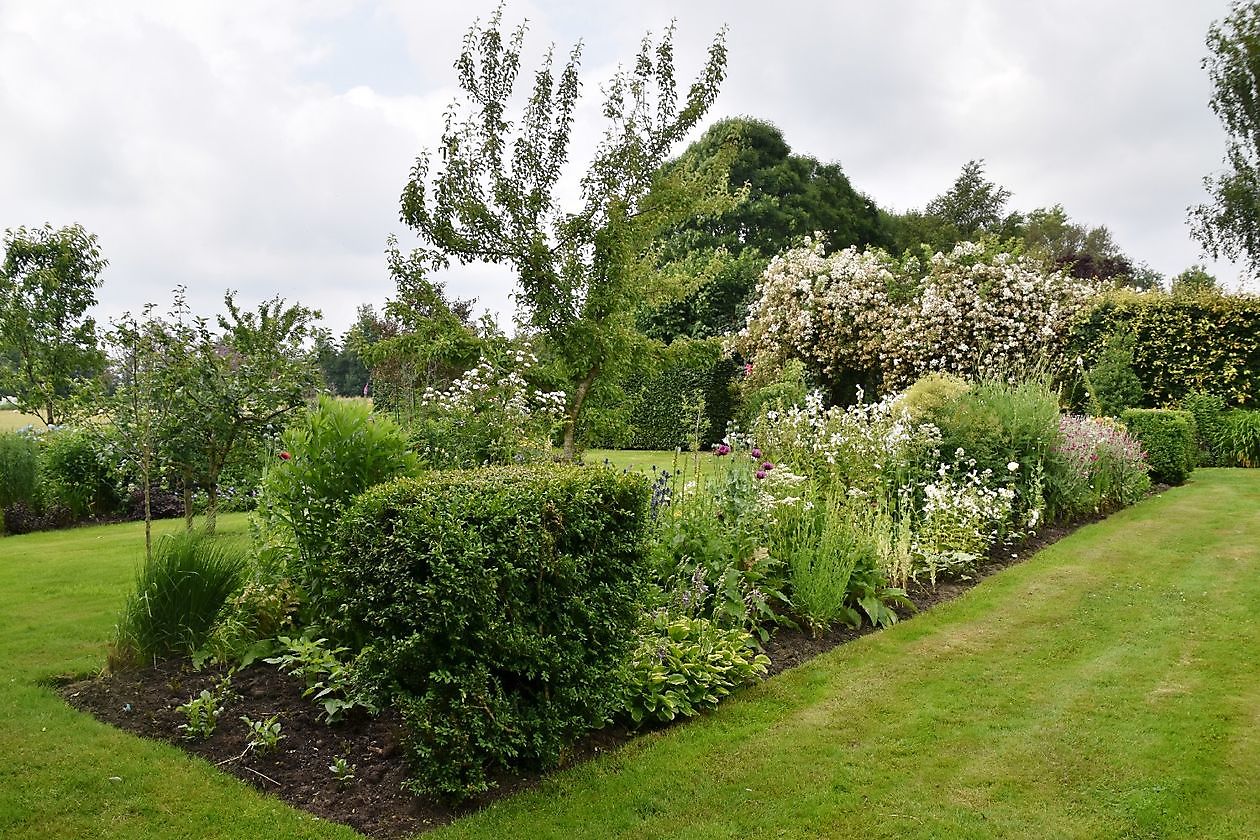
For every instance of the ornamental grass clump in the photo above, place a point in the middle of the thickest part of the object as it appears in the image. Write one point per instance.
(180, 592)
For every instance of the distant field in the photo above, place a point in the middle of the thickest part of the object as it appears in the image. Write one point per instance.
(643, 460)
(10, 420)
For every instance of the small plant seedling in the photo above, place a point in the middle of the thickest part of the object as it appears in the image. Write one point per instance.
(202, 714)
(264, 735)
(342, 770)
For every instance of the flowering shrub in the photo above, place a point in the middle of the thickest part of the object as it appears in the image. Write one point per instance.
(963, 515)
(490, 415)
(1098, 467)
(978, 311)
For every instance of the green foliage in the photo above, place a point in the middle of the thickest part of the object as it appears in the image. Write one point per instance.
(1181, 344)
(1112, 383)
(201, 715)
(1229, 224)
(683, 665)
(329, 681)
(787, 388)
(1168, 436)
(930, 395)
(48, 282)
(691, 374)
(821, 551)
(1240, 437)
(80, 472)
(583, 273)
(498, 606)
(19, 469)
(332, 452)
(1209, 412)
(263, 736)
(1195, 280)
(971, 207)
(179, 594)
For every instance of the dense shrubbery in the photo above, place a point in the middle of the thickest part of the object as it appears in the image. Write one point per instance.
(19, 471)
(1208, 411)
(81, 473)
(693, 378)
(1168, 438)
(496, 607)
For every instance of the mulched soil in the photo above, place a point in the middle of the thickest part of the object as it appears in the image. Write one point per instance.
(374, 802)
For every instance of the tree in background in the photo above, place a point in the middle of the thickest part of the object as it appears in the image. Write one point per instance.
(581, 273)
(1086, 253)
(1195, 280)
(971, 207)
(713, 262)
(48, 282)
(1229, 224)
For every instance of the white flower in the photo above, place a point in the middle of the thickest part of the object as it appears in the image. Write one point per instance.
(1013, 466)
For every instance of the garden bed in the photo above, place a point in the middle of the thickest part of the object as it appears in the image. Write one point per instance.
(144, 702)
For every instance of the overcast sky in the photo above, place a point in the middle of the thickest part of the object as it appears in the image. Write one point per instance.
(263, 146)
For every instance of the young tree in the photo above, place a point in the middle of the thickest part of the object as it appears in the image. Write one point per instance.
(1230, 223)
(48, 281)
(238, 384)
(581, 272)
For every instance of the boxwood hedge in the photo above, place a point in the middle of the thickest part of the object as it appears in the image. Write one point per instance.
(496, 607)
(1169, 440)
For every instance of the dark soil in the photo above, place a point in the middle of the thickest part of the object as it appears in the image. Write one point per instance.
(374, 802)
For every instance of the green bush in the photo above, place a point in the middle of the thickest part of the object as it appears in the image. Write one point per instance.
(1168, 436)
(497, 606)
(1239, 439)
(683, 665)
(1112, 383)
(180, 592)
(19, 468)
(80, 473)
(928, 398)
(1208, 411)
(331, 453)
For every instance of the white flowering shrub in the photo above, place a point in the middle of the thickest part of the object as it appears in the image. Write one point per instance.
(489, 415)
(978, 312)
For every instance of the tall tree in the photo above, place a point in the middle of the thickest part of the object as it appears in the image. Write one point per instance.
(972, 206)
(48, 282)
(718, 259)
(1229, 224)
(581, 272)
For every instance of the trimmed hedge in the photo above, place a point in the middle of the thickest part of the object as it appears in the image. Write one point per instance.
(1168, 437)
(1204, 342)
(689, 370)
(496, 607)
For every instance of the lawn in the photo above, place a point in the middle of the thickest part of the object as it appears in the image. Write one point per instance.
(11, 419)
(644, 460)
(1109, 687)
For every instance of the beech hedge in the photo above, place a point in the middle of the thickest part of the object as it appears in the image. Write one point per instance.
(1183, 343)
(496, 608)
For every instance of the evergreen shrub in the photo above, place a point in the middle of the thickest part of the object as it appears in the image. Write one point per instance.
(1168, 436)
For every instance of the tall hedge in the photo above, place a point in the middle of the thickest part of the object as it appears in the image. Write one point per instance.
(1204, 342)
(1169, 440)
(689, 370)
(496, 607)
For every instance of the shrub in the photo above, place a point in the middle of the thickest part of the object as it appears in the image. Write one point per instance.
(1168, 436)
(930, 395)
(683, 665)
(1096, 467)
(335, 451)
(1240, 437)
(1208, 411)
(179, 594)
(1112, 383)
(499, 606)
(19, 469)
(80, 472)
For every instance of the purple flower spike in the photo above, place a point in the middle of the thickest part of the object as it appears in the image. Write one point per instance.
(761, 473)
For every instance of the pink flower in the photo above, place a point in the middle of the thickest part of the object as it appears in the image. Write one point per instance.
(761, 473)
(756, 453)
(723, 449)
(284, 455)
(766, 466)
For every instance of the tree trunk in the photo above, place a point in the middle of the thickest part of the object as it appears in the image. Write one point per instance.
(186, 481)
(212, 499)
(146, 468)
(575, 411)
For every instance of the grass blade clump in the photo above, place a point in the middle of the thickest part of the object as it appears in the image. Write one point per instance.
(179, 594)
